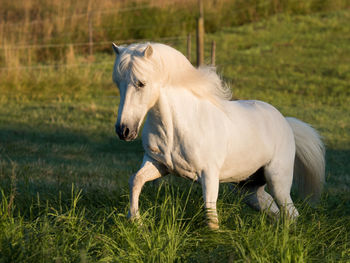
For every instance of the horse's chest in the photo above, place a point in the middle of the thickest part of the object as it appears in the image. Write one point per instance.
(171, 154)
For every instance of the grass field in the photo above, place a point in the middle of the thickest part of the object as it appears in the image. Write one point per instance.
(63, 172)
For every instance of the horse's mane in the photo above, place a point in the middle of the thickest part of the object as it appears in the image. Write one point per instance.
(170, 66)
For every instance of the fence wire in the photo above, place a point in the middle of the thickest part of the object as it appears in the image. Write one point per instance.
(119, 41)
(60, 65)
(98, 29)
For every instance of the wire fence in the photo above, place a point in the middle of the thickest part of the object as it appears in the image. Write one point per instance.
(65, 65)
(100, 43)
(56, 66)
(117, 10)
(71, 65)
(119, 41)
(98, 29)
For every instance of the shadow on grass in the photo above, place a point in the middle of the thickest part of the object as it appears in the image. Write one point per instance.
(59, 136)
(48, 162)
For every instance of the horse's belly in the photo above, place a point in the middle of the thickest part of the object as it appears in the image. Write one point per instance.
(236, 176)
(239, 167)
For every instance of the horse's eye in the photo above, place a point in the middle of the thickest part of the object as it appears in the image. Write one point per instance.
(140, 84)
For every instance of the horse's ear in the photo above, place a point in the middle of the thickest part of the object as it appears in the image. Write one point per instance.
(148, 51)
(115, 49)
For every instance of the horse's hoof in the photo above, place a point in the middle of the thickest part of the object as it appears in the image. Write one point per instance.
(134, 217)
(213, 225)
(135, 220)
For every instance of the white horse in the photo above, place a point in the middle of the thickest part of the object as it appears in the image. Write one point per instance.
(193, 130)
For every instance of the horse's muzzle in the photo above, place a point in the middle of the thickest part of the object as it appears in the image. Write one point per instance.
(125, 133)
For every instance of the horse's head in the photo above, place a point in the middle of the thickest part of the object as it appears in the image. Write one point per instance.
(134, 74)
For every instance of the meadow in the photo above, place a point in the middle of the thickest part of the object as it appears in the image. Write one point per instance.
(64, 173)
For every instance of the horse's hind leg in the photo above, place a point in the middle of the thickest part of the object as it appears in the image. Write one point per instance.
(279, 179)
(255, 195)
(260, 200)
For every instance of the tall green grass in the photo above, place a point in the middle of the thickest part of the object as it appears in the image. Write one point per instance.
(172, 228)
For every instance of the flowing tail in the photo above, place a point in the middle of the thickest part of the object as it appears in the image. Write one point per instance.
(309, 165)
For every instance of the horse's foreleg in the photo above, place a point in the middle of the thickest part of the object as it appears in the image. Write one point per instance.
(210, 187)
(149, 171)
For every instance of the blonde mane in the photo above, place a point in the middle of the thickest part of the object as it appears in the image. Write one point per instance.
(171, 68)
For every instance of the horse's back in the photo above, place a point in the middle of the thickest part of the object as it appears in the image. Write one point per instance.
(257, 114)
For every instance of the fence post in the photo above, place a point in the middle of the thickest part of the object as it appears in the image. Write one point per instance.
(189, 47)
(200, 35)
(213, 50)
(91, 43)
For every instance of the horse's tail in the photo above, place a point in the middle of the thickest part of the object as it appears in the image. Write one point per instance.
(309, 165)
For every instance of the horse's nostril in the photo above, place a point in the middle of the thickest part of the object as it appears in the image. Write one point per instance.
(126, 131)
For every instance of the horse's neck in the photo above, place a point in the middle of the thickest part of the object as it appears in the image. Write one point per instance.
(178, 104)
(161, 112)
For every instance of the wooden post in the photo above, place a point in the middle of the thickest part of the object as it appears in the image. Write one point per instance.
(200, 35)
(213, 49)
(189, 47)
(91, 43)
